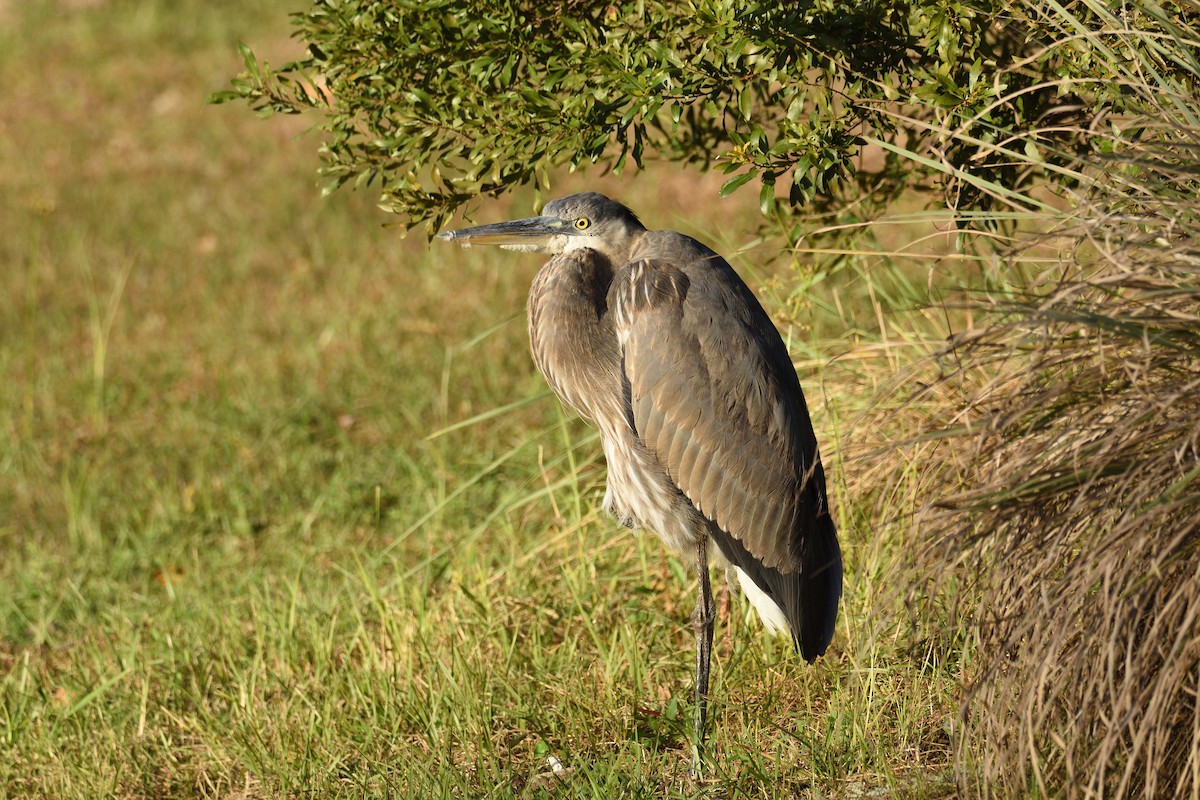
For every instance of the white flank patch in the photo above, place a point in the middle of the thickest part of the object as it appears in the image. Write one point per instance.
(768, 611)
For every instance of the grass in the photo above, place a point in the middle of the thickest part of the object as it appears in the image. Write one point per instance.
(237, 562)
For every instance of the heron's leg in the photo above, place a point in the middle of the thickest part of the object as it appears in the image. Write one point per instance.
(702, 623)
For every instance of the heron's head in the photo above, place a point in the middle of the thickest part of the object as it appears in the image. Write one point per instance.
(573, 222)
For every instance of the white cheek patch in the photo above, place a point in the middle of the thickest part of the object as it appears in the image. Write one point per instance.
(577, 243)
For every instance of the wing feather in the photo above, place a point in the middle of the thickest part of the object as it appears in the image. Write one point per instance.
(714, 395)
(652, 423)
(687, 351)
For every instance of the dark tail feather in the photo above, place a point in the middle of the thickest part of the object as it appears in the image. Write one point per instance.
(814, 619)
(808, 597)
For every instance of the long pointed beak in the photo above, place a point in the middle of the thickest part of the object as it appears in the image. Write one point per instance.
(534, 233)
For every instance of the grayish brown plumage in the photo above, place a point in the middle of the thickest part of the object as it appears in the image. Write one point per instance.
(655, 338)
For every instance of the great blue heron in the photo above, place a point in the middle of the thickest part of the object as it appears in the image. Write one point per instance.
(654, 337)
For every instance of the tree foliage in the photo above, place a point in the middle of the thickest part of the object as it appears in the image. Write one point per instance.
(435, 102)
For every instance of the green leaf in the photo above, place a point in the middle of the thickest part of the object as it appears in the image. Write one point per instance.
(733, 184)
(766, 198)
(249, 59)
(745, 103)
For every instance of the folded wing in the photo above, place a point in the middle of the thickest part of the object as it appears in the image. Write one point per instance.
(712, 392)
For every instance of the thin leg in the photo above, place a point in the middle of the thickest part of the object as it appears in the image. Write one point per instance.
(702, 623)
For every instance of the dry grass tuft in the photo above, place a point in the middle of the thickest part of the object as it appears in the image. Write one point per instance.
(1077, 527)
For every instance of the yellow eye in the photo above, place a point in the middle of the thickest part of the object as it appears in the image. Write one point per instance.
(582, 223)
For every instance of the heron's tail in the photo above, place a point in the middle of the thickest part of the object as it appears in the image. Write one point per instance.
(815, 617)
(806, 600)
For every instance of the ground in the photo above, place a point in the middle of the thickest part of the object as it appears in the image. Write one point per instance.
(286, 510)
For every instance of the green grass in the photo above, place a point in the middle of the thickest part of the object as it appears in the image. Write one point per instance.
(237, 563)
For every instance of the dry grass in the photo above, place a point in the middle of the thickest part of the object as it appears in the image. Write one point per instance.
(1071, 547)
(1055, 435)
